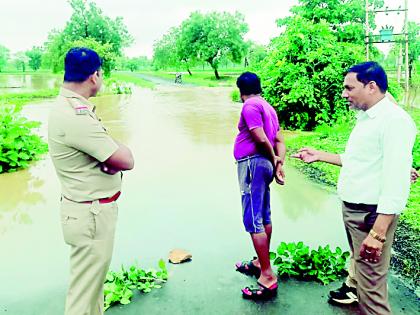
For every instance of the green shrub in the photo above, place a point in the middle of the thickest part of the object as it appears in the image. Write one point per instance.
(299, 261)
(18, 144)
(235, 96)
(302, 76)
(119, 286)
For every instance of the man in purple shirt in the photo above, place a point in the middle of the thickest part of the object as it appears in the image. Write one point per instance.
(259, 151)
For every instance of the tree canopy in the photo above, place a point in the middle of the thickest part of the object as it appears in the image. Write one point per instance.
(209, 38)
(302, 75)
(88, 24)
(346, 18)
(35, 58)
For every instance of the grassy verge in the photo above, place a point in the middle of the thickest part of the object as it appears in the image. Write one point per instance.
(27, 97)
(407, 241)
(200, 78)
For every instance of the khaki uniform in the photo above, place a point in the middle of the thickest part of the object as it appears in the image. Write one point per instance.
(78, 143)
(369, 278)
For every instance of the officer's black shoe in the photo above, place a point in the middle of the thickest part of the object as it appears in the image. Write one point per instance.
(343, 296)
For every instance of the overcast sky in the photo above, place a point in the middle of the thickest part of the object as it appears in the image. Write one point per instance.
(26, 23)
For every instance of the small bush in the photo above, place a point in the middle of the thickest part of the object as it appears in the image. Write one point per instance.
(119, 286)
(299, 261)
(18, 144)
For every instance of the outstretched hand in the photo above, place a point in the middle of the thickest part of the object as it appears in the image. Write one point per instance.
(307, 155)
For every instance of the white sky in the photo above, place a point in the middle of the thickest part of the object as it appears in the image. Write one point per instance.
(26, 23)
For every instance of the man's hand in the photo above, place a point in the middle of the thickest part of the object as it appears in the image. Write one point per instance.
(109, 169)
(371, 249)
(279, 174)
(307, 155)
(414, 175)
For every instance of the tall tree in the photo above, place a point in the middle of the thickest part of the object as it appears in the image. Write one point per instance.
(20, 60)
(302, 75)
(165, 50)
(4, 57)
(88, 23)
(212, 37)
(35, 57)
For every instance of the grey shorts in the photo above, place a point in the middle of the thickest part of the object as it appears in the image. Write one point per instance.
(255, 173)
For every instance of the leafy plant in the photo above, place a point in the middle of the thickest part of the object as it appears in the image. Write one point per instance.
(297, 260)
(18, 144)
(119, 286)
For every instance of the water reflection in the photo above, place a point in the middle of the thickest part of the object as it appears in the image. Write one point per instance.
(19, 193)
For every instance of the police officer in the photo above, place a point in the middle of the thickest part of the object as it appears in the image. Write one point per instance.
(88, 163)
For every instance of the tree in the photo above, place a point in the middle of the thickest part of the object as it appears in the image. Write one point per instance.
(212, 37)
(413, 45)
(255, 54)
(35, 57)
(165, 50)
(302, 75)
(88, 23)
(4, 57)
(20, 60)
(346, 18)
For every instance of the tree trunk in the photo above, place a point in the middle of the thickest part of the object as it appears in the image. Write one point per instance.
(189, 72)
(216, 74)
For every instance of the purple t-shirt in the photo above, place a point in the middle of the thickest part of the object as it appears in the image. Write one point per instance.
(256, 112)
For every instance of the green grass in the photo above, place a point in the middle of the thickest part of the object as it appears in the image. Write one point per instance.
(132, 78)
(27, 97)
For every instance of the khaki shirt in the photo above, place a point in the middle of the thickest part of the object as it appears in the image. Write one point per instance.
(78, 142)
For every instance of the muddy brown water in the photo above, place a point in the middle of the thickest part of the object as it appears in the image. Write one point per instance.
(18, 83)
(183, 193)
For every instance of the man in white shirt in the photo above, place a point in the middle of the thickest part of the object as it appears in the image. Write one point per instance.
(374, 181)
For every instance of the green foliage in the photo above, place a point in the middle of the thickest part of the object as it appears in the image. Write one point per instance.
(299, 261)
(88, 26)
(24, 98)
(4, 57)
(235, 96)
(165, 52)
(18, 144)
(119, 286)
(303, 74)
(118, 87)
(212, 38)
(20, 60)
(345, 17)
(35, 58)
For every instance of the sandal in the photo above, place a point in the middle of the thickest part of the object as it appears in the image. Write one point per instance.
(260, 293)
(248, 268)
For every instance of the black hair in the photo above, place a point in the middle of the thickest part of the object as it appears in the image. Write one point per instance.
(370, 71)
(249, 83)
(80, 63)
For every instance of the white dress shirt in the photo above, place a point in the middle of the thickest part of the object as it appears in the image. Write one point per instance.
(378, 158)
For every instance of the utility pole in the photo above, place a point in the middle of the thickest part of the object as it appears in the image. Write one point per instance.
(406, 53)
(367, 29)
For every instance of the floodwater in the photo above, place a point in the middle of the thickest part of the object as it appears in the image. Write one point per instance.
(183, 193)
(18, 83)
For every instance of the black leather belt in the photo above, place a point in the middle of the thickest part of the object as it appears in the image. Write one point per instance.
(360, 206)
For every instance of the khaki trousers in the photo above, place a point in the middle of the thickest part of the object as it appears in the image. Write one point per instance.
(89, 230)
(371, 278)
